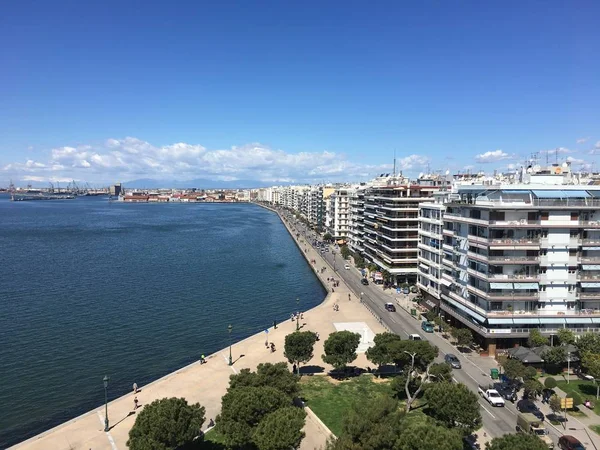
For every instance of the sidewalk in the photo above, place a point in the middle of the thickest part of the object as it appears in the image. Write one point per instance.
(575, 426)
(207, 383)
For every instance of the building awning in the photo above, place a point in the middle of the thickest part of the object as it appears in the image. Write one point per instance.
(522, 320)
(561, 194)
(590, 266)
(430, 303)
(552, 320)
(467, 310)
(590, 285)
(595, 319)
(501, 286)
(500, 321)
(579, 320)
(446, 283)
(527, 286)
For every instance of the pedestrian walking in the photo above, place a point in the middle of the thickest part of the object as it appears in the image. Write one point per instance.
(135, 388)
(202, 360)
(135, 403)
(349, 299)
(294, 368)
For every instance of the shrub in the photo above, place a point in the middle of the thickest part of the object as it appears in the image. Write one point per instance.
(576, 398)
(550, 383)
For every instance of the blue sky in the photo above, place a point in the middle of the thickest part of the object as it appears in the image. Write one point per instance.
(272, 91)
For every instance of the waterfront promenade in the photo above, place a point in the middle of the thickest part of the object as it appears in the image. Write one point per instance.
(207, 383)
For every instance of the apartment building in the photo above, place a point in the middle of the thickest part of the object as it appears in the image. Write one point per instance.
(317, 205)
(430, 254)
(391, 209)
(357, 225)
(521, 256)
(338, 212)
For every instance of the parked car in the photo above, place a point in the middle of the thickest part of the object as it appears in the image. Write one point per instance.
(568, 442)
(527, 406)
(414, 337)
(390, 307)
(413, 289)
(452, 360)
(427, 326)
(347, 266)
(405, 290)
(364, 281)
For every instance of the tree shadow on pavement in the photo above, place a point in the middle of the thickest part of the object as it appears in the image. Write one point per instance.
(311, 370)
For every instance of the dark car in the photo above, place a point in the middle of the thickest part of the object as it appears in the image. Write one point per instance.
(390, 307)
(364, 281)
(568, 442)
(452, 360)
(528, 406)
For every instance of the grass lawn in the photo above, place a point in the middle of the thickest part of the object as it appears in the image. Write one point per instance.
(331, 400)
(595, 428)
(587, 389)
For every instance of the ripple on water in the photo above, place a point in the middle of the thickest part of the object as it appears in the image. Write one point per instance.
(89, 288)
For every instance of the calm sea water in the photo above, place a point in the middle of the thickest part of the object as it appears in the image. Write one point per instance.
(89, 288)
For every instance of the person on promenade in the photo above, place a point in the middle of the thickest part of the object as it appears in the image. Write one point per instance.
(135, 403)
(202, 360)
(135, 388)
(349, 299)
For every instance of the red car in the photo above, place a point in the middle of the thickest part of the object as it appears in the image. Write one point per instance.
(567, 442)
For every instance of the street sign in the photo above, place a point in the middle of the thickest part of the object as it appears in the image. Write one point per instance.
(566, 403)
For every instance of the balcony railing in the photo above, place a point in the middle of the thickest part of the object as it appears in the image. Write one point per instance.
(512, 295)
(589, 259)
(510, 259)
(588, 276)
(520, 223)
(543, 313)
(589, 295)
(514, 241)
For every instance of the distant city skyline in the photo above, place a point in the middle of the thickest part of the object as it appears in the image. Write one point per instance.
(280, 93)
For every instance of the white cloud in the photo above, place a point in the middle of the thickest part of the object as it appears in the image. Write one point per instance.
(583, 140)
(492, 156)
(131, 158)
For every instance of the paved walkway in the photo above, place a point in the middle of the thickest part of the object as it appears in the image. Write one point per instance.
(207, 383)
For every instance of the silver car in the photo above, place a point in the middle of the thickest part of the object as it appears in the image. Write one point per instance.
(452, 360)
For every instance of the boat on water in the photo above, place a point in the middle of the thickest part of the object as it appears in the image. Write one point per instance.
(40, 195)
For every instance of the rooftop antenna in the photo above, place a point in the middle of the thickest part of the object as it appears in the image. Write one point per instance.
(394, 163)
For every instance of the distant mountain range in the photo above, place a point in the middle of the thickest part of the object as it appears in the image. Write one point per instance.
(197, 183)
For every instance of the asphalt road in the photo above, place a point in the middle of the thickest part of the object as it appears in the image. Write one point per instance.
(497, 421)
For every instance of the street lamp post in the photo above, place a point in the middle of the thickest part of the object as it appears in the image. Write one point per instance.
(568, 366)
(230, 358)
(298, 316)
(105, 380)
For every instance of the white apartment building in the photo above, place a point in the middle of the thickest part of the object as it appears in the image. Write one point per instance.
(521, 256)
(357, 225)
(430, 251)
(338, 212)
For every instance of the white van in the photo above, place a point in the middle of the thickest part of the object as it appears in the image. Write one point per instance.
(414, 337)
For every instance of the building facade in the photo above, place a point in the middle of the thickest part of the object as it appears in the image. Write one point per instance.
(338, 212)
(522, 256)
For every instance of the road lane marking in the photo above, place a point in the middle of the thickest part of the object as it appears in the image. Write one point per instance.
(108, 435)
(493, 417)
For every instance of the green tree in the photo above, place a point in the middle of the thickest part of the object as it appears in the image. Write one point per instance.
(454, 405)
(532, 388)
(588, 343)
(550, 383)
(345, 251)
(280, 430)
(576, 398)
(327, 237)
(340, 348)
(398, 385)
(430, 316)
(373, 425)
(274, 375)
(166, 424)
(513, 369)
(440, 372)
(554, 404)
(565, 336)
(530, 373)
(536, 339)
(591, 362)
(518, 441)
(380, 353)
(555, 356)
(463, 336)
(243, 408)
(298, 348)
(427, 436)
(424, 352)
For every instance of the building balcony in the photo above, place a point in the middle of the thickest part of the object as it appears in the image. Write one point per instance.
(545, 314)
(508, 259)
(521, 223)
(571, 278)
(589, 259)
(573, 242)
(448, 232)
(479, 239)
(507, 295)
(571, 261)
(501, 278)
(468, 220)
(477, 256)
(590, 242)
(589, 295)
(589, 223)
(514, 242)
(584, 276)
